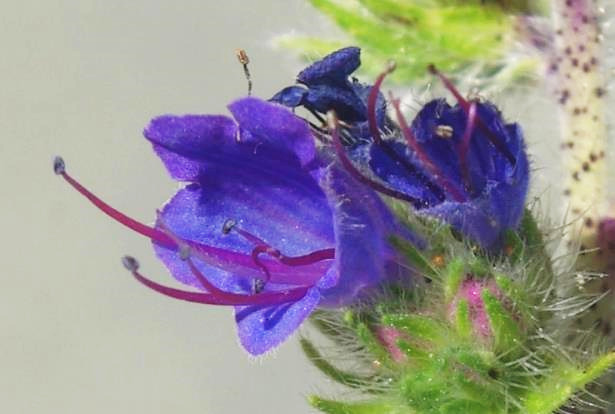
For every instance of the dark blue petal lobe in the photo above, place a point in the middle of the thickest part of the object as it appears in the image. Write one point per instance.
(291, 96)
(261, 329)
(333, 69)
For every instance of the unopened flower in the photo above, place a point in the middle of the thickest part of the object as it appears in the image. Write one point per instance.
(265, 223)
(471, 292)
(325, 86)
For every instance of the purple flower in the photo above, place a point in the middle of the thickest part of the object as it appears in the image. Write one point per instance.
(463, 164)
(265, 223)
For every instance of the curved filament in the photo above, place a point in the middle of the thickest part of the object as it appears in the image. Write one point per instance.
(424, 158)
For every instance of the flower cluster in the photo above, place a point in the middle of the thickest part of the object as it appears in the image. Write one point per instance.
(278, 223)
(463, 164)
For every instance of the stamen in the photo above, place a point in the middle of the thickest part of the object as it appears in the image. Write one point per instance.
(448, 85)
(221, 258)
(58, 165)
(465, 105)
(228, 299)
(59, 168)
(257, 286)
(465, 145)
(332, 122)
(423, 157)
(444, 131)
(185, 253)
(372, 100)
(228, 226)
(375, 132)
(224, 259)
(262, 247)
(243, 58)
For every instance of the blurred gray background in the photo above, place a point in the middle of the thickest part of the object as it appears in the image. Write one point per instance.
(82, 79)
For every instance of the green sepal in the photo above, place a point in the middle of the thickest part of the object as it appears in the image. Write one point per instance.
(513, 246)
(562, 383)
(529, 231)
(333, 330)
(414, 256)
(411, 351)
(373, 345)
(453, 276)
(464, 406)
(337, 375)
(463, 324)
(337, 407)
(506, 332)
(417, 326)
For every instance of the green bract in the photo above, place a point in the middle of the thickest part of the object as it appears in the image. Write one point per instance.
(482, 334)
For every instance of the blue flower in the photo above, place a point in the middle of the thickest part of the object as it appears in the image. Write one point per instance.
(462, 164)
(325, 86)
(265, 223)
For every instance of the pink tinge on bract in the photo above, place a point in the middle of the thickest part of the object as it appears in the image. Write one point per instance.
(471, 290)
(389, 336)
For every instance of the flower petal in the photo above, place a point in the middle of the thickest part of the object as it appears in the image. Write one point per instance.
(183, 142)
(263, 328)
(344, 101)
(276, 125)
(291, 96)
(333, 69)
(279, 203)
(484, 219)
(363, 225)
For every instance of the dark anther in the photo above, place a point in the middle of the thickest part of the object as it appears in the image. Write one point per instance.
(257, 286)
(184, 252)
(58, 165)
(130, 263)
(228, 226)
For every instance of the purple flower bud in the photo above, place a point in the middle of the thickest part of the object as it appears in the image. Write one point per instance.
(326, 87)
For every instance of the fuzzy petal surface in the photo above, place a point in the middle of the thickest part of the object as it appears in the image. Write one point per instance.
(275, 125)
(262, 328)
(363, 225)
(185, 142)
